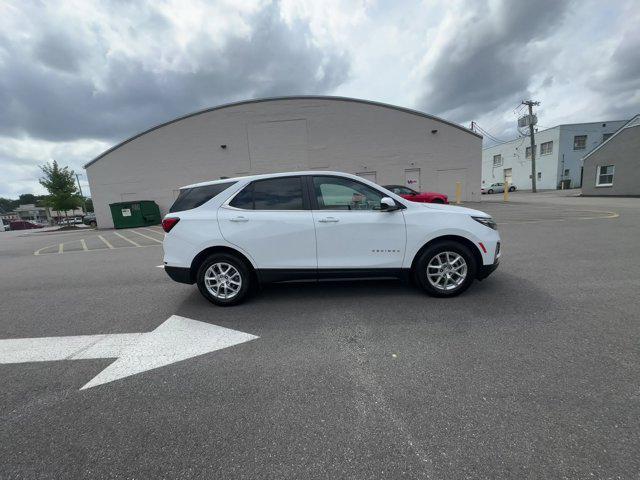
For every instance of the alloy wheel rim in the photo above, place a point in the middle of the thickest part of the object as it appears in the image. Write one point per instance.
(446, 271)
(223, 280)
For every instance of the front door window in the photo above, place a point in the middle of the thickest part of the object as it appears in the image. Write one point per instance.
(333, 193)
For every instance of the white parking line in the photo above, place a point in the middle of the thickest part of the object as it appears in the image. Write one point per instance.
(61, 248)
(147, 236)
(84, 244)
(154, 231)
(127, 239)
(105, 242)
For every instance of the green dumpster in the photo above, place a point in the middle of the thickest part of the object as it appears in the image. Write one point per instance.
(140, 213)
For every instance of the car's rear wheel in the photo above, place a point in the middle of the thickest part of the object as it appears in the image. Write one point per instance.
(437, 200)
(224, 279)
(93, 224)
(512, 189)
(445, 269)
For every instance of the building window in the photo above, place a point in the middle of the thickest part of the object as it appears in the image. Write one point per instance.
(605, 136)
(579, 142)
(527, 152)
(539, 175)
(604, 176)
(566, 172)
(497, 160)
(546, 148)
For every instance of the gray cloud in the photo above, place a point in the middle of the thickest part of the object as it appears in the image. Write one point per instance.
(619, 83)
(484, 62)
(58, 50)
(52, 90)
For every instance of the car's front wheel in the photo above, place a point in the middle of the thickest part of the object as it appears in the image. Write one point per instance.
(224, 279)
(490, 190)
(445, 269)
(512, 189)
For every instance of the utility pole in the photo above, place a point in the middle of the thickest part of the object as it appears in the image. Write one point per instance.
(84, 203)
(530, 104)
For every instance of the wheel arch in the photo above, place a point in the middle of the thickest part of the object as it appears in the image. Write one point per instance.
(473, 248)
(200, 257)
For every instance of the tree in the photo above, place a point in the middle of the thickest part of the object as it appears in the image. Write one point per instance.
(61, 185)
(27, 198)
(6, 204)
(89, 204)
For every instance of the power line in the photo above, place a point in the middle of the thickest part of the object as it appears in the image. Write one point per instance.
(491, 136)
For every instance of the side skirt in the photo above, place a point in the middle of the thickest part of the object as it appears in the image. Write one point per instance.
(278, 275)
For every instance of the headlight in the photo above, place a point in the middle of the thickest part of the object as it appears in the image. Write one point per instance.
(487, 222)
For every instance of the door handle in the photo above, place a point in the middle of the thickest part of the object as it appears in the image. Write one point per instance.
(239, 219)
(328, 220)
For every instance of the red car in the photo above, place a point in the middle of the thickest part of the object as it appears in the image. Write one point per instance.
(23, 225)
(422, 197)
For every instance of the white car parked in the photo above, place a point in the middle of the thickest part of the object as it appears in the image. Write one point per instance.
(229, 235)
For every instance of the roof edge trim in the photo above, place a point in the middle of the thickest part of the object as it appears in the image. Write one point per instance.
(629, 124)
(270, 99)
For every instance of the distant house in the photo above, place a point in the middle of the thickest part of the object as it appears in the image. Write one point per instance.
(33, 213)
(559, 152)
(613, 168)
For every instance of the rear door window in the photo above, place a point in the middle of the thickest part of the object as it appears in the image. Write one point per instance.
(194, 197)
(271, 194)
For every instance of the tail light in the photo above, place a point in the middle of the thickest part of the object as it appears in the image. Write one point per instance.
(169, 223)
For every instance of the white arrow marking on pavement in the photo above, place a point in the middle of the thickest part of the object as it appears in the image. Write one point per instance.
(176, 339)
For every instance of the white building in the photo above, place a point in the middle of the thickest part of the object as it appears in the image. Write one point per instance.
(384, 143)
(559, 153)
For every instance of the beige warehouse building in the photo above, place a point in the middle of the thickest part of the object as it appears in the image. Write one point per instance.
(383, 143)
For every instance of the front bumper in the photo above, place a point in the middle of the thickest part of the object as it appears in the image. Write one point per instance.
(485, 270)
(179, 274)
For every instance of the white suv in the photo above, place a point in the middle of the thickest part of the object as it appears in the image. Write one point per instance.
(229, 235)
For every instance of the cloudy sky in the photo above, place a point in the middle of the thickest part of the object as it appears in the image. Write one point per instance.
(78, 76)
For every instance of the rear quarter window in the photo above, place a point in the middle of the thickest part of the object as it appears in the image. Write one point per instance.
(189, 198)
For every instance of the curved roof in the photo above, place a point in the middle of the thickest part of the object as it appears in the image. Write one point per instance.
(271, 99)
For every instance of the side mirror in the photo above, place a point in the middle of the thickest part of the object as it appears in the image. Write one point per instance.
(388, 204)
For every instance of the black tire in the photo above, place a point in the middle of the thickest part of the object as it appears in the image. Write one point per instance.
(241, 268)
(490, 190)
(420, 268)
(93, 224)
(512, 189)
(438, 200)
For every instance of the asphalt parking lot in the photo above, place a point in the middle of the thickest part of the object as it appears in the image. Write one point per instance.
(532, 373)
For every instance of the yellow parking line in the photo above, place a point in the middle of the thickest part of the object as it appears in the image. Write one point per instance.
(104, 240)
(128, 239)
(147, 236)
(84, 244)
(37, 252)
(61, 248)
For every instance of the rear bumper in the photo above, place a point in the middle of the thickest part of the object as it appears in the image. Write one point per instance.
(179, 274)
